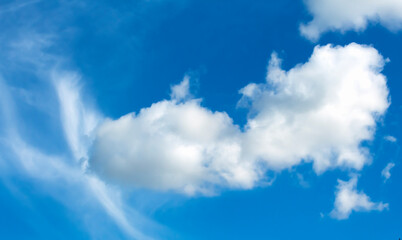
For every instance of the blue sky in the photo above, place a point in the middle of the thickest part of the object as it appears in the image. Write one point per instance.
(190, 119)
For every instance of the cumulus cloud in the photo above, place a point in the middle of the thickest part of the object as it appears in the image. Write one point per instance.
(386, 171)
(320, 111)
(173, 145)
(344, 15)
(349, 199)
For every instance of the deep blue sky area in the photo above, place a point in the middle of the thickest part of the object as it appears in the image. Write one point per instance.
(128, 54)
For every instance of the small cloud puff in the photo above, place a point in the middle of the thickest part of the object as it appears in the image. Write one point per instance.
(386, 171)
(181, 91)
(349, 199)
(390, 138)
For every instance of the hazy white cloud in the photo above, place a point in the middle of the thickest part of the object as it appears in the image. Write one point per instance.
(319, 111)
(349, 199)
(302, 181)
(181, 91)
(344, 15)
(390, 138)
(386, 171)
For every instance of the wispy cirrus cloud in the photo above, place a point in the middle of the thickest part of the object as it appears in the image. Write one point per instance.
(78, 120)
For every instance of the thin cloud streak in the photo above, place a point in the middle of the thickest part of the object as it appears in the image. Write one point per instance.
(78, 122)
(13, 7)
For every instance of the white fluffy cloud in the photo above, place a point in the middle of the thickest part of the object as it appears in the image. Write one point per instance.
(343, 15)
(320, 111)
(173, 145)
(348, 199)
(386, 171)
